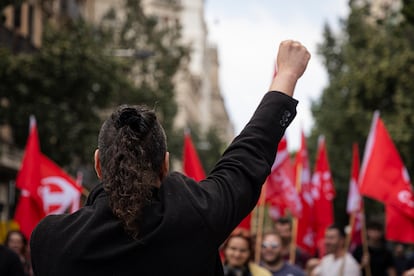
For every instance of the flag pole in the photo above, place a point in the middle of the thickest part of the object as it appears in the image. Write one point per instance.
(349, 234)
(347, 241)
(260, 220)
(292, 255)
(292, 251)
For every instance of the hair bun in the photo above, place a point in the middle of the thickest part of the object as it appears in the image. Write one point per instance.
(132, 118)
(129, 117)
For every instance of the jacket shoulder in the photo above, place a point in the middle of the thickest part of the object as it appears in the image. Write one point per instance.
(43, 228)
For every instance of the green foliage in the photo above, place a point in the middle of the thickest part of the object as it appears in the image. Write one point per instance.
(370, 66)
(65, 85)
(73, 80)
(408, 11)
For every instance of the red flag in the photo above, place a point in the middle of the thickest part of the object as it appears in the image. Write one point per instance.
(383, 174)
(354, 204)
(191, 163)
(305, 237)
(281, 192)
(276, 212)
(398, 227)
(28, 177)
(29, 209)
(45, 188)
(58, 190)
(323, 194)
(246, 223)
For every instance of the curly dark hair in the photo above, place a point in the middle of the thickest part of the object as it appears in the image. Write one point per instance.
(132, 146)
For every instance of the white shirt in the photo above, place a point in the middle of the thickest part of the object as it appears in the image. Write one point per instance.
(329, 266)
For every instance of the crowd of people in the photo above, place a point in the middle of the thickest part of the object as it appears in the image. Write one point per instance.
(382, 258)
(143, 220)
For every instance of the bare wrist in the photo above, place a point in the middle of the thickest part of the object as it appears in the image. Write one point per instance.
(284, 82)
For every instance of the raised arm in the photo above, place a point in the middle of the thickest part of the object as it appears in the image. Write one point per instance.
(232, 189)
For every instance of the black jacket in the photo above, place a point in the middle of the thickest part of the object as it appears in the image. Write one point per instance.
(184, 225)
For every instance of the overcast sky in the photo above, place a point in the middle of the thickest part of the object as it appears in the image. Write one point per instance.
(247, 34)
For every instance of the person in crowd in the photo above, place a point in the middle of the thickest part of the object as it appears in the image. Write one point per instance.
(141, 214)
(10, 263)
(400, 258)
(16, 241)
(238, 254)
(272, 259)
(409, 265)
(379, 258)
(283, 227)
(337, 261)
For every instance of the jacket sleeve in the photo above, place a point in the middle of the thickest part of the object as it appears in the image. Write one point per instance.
(233, 187)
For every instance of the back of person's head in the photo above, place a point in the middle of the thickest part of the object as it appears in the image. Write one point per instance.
(132, 148)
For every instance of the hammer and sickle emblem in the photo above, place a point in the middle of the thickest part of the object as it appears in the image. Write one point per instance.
(57, 194)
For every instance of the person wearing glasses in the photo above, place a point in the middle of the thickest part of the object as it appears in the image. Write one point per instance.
(238, 254)
(272, 259)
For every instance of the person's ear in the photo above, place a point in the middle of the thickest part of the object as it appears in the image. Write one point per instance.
(165, 166)
(97, 164)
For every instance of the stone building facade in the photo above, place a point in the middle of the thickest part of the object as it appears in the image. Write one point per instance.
(198, 93)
